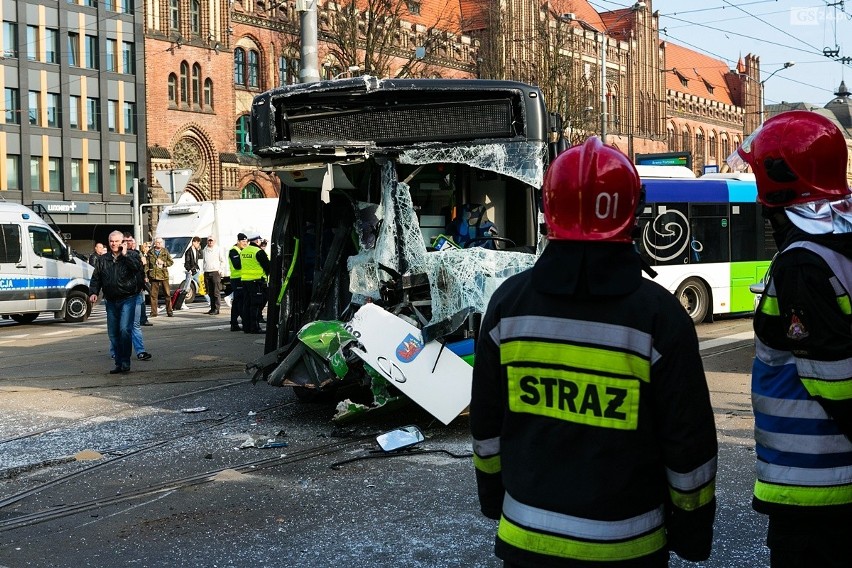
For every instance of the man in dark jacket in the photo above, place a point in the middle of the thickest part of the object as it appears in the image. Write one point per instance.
(594, 440)
(118, 275)
(802, 372)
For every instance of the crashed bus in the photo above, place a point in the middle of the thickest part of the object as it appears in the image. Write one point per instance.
(404, 203)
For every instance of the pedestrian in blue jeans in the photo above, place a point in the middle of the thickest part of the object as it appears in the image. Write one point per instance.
(119, 276)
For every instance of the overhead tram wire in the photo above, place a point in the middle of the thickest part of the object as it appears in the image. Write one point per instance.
(774, 27)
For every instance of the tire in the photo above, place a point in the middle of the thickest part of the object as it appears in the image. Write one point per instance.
(695, 298)
(77, 307)
(24, 318)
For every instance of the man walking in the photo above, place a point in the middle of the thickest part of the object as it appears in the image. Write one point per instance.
(159, 261)
(236, 280)
(802, 372)
(594, 441)
(190, 264)
(117, 274)
(214, 266)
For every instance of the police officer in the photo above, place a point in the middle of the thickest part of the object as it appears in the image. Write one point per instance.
(594, 440)
(802, 372)
(255, 267)
(235, 265)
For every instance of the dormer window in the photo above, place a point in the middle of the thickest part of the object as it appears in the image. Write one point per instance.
(709, 86)
(414, 7)
(683, 80)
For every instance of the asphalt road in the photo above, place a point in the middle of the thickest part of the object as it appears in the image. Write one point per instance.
(104, 471)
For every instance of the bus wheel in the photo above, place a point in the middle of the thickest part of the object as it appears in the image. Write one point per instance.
(694, 298)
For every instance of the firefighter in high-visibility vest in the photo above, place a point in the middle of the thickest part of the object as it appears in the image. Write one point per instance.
(802, 372)
(594, 440)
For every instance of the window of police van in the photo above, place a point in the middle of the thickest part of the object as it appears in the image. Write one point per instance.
(10, 244)
(45, 244)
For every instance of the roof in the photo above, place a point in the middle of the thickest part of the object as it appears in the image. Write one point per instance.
(701, 72)
(841, 106)
(618, 23)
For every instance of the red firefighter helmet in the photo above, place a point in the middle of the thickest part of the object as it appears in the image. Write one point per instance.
(796, 156)
(591, 193)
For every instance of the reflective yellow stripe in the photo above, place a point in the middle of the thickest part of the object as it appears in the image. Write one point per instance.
(806, 496)
(589, 358)
(694, 499)
(575, 397)
(487, 465)
(845, 305)
(563, 547)
(831, 390)
(769, 306)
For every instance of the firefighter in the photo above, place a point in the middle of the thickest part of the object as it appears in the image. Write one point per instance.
(802, 371)
(594, 439)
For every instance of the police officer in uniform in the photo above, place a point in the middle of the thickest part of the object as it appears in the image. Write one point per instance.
(235, 265)
(802, 372)
(594, 439)
(255, 267)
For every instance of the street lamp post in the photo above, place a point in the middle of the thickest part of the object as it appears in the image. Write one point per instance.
(640, 5)
(787, 65)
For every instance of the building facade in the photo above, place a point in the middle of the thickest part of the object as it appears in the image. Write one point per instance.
(72, 134)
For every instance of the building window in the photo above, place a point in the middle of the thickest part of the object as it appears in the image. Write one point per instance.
(195, 16)
(130, 173)
(288, 71)
(172, 88)
(251, 191)
(711, 145)
(35, 173)
(12, 104)
(239, 66)
(128, 58)
(10, 39)
(208, 93)
(282, 70)
(196, 84)
(699, 144)
(93, 111)
(53, 106)
(32, 43)
(54, 177)
(184, 79)
(242, 135)
(35, 108)
(13, 172)
(113, 178)
(174, 14)
(51, 45)
(112, 116)
(130, 123)
(91, 52)
(127, 6)
(73, 49)
(685, 141)
(111, 55)
(94, 171)
(109, 5)
(76, 175)
(414, 7)
(253, 69)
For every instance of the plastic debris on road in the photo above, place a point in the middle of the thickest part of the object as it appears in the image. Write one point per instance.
(194, 409)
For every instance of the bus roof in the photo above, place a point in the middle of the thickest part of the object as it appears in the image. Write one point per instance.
(699, 190)
(679, 172)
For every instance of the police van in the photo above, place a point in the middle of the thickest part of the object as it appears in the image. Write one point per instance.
(38, 272)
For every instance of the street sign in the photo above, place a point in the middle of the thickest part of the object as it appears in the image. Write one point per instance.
(173, 181)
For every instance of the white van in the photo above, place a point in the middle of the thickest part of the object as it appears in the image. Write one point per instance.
(38, 272)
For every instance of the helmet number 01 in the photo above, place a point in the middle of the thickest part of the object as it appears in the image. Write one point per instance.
(606, 205)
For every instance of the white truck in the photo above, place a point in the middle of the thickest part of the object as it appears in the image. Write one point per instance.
(223, 219)
(38, 271)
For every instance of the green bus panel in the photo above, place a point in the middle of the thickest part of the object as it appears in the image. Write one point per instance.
(743, 275)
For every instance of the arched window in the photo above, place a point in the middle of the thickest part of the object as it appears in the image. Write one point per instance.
(685, 140)
(196, 84)
(711, 144)
(672, 137)
(239, 66)
(726, 145)
(184, 81)
(251, 191)
(172, 88)
(195, 16)
(242, 135)
(699, 144)
(253, 69)
(208, 93)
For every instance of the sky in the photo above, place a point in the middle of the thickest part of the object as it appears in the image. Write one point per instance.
(778, 31)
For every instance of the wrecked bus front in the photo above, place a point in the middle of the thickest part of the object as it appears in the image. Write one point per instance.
(417, 196)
